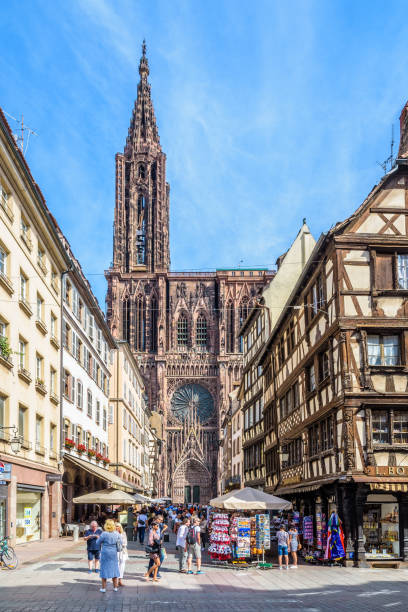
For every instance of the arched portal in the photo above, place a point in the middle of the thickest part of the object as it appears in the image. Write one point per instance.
(191, 483)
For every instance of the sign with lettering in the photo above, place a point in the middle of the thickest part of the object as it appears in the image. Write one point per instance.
(292, 480)
(387, 470)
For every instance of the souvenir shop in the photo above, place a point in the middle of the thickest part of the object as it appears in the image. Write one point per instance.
(235, 537)
(239, 526)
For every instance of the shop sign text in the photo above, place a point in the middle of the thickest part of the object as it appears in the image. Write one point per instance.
(387, 470)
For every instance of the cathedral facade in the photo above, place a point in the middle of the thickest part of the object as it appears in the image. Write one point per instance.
(183, 327)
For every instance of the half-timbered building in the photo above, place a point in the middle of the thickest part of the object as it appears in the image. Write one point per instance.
(335, 376)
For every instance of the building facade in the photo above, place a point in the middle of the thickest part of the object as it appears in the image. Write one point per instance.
(184, 326)
(32, 260)
(86, 348)
(335, 381)
(255, 331)
(127, 419)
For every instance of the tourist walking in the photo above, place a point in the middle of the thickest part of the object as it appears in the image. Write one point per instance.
(110, 543)
(194, 546)
(293, 545)
(283, 541)
(122, 554)
(181, 545)
(141, 525)
(91, 536)
(153, 549)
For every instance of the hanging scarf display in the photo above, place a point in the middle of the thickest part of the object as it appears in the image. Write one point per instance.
(335, 538)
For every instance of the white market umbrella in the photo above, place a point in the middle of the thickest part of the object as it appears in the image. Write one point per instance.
(106, 496)
(250, 499)
(141, 499)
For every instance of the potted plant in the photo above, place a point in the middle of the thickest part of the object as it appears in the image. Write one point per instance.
(81, 448)
(106, 461)
(91, 452)
(5, 349)
(99, 456)
(69, 443)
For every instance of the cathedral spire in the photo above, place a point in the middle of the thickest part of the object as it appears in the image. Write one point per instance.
(143, 127)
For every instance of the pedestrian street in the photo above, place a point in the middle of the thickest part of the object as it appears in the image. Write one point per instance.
(61, 583)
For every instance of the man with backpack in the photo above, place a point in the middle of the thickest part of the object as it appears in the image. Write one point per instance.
(193, 542)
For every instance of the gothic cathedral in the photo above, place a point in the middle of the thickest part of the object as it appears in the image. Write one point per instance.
(182, 326)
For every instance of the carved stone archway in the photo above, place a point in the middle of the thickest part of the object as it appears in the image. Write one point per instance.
(192, 483)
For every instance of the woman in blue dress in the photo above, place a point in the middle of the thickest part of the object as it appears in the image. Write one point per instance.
(109, 566)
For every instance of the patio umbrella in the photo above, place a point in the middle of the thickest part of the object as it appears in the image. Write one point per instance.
(141, 499)
(250, 499)
(106, 496)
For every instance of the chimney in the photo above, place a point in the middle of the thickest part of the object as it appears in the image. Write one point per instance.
(403, 147)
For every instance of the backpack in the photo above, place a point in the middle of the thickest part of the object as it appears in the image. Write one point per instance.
(191, 536)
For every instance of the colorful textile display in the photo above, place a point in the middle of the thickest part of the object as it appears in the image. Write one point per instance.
(335, 538)
(308, 529)
(220, 542)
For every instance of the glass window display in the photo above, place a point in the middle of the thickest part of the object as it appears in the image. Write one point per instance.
(381, 530)
(28, 519)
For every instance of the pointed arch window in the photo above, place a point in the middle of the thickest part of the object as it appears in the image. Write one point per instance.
(126, 319)
(142, 171)
(182, 330)
(201, 331)
(154, 312)
(140, 324)
(141, 230)
(243, 313)
(230, 328)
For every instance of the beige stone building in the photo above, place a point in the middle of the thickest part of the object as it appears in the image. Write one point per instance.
(127, 415)
(31, 262)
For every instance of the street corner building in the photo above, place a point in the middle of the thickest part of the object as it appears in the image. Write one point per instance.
(335, 377)
(183, 327)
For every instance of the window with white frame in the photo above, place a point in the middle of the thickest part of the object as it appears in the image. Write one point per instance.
(383, 350)
(22, 353)
(23, 287)
(3, 260)
(40, 308)
(80, 393)
(98, 412)
(39, 364)
(89, 404)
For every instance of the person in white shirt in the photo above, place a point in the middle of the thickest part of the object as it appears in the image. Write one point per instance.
(141, 526)
(181, 545)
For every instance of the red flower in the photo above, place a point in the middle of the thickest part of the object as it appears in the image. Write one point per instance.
(81, 448)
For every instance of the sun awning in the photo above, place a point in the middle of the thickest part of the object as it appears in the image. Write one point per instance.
(305, 488)
(95, 470)
(389, 486)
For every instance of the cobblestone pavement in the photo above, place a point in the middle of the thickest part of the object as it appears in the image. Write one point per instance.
(61, 583)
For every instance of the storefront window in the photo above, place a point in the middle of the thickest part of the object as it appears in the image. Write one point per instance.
(381, 530)
(28, 519)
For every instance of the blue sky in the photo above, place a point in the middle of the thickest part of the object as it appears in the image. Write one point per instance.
(268, 112)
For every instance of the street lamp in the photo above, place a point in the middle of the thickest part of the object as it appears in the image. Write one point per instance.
(15, 441)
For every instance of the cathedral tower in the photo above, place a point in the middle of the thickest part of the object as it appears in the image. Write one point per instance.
(141, 229)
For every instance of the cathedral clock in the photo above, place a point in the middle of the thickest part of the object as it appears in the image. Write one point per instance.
(192, 397)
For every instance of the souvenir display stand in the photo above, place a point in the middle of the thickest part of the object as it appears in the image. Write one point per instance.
(220, 540)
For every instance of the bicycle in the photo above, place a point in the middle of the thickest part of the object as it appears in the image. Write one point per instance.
(7, 555)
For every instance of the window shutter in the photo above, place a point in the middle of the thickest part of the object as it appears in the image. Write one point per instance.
(384, 271)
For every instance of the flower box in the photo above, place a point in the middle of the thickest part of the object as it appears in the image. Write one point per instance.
(91, 452)
(106, 460)
(81, 448)
(69, 443)
(99, 457)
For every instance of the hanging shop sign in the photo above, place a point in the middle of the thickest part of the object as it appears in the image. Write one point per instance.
(5, 471)
(291, 480)
(386, 470)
